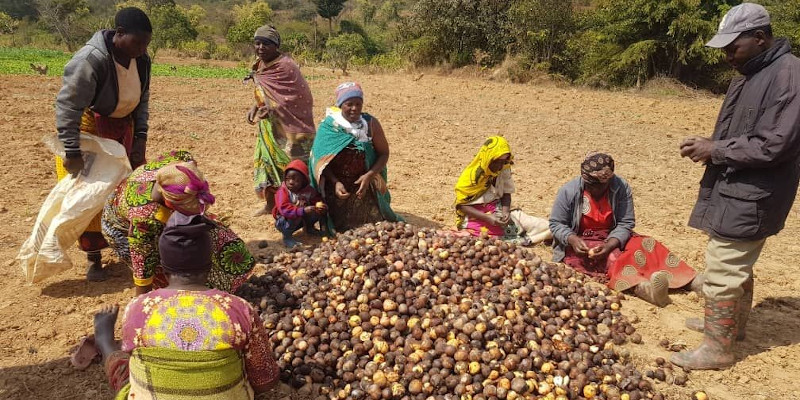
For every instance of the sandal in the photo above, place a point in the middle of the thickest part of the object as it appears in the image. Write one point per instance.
(84, 353)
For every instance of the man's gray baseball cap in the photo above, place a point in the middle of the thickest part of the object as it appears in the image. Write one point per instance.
(742, 18)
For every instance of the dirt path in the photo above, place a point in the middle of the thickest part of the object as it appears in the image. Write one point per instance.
(434, 125)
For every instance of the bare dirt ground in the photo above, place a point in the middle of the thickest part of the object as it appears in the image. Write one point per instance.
(435, 125)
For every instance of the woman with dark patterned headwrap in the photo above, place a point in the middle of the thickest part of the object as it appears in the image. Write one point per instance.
(592, 223)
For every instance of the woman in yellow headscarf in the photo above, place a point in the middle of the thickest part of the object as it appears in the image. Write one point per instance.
(483, 198)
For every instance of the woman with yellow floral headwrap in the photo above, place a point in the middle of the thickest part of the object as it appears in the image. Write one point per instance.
(136, 213)
(483, 198)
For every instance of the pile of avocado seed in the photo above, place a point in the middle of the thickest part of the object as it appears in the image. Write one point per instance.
(391, 311)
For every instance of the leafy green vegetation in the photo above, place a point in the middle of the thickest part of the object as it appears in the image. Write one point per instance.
(601, 43)
(17, 61)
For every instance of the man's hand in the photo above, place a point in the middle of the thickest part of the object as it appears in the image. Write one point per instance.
(697, 148)
(73, 165)
(578, 245)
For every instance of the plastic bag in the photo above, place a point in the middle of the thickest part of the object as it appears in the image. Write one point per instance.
(71, 206)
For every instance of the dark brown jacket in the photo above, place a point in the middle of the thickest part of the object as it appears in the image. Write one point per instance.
(751, 180)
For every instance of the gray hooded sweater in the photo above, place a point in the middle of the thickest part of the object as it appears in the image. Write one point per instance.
(90, 80)
(565, 218)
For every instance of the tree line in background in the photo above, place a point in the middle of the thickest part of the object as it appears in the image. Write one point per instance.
(603, 43)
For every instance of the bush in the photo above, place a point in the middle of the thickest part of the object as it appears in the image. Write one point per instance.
(294, 43)
(456, 28)
(461, 58)
(67, 19)
(515, 69)
(372, 47)
(309, 55)
(291, 27)
(248, 18)
(389, 12)
(341, 50)
(223, 52)
(197, 48)
(171, 28)
(388, 61)
(30, 34)
(786, 20)
(629, 41)
(423, 51)
(540, 28)
(7, 24)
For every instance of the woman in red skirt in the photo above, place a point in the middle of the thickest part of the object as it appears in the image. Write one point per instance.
(592, 223)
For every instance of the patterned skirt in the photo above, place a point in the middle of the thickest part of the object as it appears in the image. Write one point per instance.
(232, 263)
(273, 151)
(475, 227)
(624, 269)
(353, 211)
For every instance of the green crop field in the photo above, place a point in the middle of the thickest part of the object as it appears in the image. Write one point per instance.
(17, 61)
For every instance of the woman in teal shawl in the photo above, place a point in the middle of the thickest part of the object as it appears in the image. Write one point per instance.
(348, 163)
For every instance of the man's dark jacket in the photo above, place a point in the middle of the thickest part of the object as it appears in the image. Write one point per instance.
(751, 180)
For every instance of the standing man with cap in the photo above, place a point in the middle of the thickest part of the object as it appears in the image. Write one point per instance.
(751, 176)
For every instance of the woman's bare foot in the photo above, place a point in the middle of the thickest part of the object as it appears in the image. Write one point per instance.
(104, 321)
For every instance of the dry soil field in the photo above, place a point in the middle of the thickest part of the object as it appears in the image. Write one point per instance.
(435, 125)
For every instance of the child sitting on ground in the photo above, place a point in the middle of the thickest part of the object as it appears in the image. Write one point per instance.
(297, 204)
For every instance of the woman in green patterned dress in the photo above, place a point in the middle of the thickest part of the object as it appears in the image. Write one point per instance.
(283, 111)
(136, 213)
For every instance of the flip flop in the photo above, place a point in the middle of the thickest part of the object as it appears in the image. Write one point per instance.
(84, 353)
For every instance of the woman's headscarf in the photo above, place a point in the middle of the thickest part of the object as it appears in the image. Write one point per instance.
(347, 91)
(184, 188)
(476, 178)
(185, 244)
(268, 33)
(597, 168)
